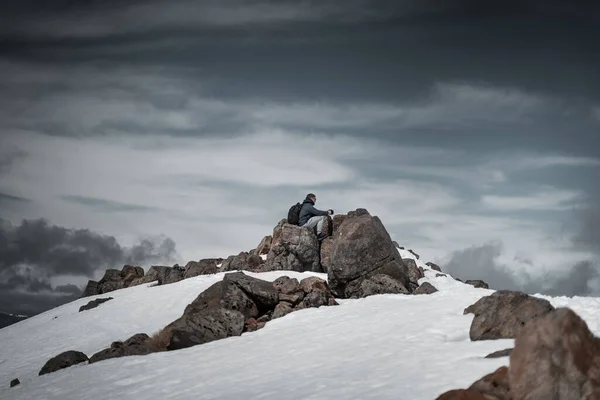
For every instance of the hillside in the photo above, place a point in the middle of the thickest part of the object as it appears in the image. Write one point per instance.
(9, 319)
(376, 346)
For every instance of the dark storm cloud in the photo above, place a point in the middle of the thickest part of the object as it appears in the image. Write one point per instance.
(587, 236)
(9, 156)
(5, 197)
(34, 252)
(480, 262)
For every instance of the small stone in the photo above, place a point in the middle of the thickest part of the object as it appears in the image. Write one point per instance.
(14, 383)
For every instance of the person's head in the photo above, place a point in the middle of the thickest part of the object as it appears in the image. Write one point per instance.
(312, 197)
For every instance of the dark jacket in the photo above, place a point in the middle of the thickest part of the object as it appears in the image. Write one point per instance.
(308, 211)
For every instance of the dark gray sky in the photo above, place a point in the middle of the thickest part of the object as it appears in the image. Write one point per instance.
(178, 130)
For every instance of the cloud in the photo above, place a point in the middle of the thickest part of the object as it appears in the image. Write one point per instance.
(543, 199)
(10, 155)
(34, 253)
(587, 228)
(491, 263)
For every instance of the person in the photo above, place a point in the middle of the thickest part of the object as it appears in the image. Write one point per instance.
(313, 218)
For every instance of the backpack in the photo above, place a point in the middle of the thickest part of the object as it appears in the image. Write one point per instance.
(294, 214)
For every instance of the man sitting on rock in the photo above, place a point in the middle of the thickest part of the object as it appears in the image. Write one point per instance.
(312, 218)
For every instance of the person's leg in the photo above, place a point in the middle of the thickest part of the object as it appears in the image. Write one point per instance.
(315, 222)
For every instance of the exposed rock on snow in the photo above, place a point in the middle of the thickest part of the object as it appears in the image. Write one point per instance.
(433, 266)
(63, 360)
(555, 356)
(203, 267)
(503, 314)
(425, 288)
(14, 382)
(363, 250)
(500, 353)
(477, 283)
(94, 303)
(243, 261)
(294, 248)
(134, 346)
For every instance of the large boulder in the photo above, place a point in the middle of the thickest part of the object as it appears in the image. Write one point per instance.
(326, 247)
(425, 288)
(555, 357)
(134, 346)
(414, 273)
(91, 289)
(494, 386)
(155, 272)
(207, 266)
(111, 281)
(171, 275)
(244, 261)
(129, 273)
(262, 293)
(63, 360)
(503, 314)
(363, 250)
(206, 319)
(294, 248)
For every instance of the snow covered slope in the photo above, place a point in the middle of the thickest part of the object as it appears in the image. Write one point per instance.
(380, 347)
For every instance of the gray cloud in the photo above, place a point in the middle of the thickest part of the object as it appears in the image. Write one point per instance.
(481, 262)
(587, 235)
(105, 205)
(35, 252)
(10, 155)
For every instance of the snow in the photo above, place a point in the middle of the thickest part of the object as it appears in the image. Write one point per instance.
(380, 347)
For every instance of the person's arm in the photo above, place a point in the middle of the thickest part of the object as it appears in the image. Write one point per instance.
(314, 211)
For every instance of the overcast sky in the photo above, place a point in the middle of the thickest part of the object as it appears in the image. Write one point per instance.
(156, 132)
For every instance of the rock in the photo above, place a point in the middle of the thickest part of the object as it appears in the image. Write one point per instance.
(336, 222)
(500, 353)
(414, 273)
(218, 312)
(362, 248)
(503, 314)
(292, 299)
(171, 275)
(425, 288)
(477, 284)
(433, 266)
(296, 249)
(262, 293)
(281, 310)
(328, 226)
(111, 281)
(63, 360)
(440, 275)
(94, 303)
(243, 261)
(326, 246)
(154, 273)
(317, 292)
(413, 253)
(264, 246)
(91, 289)
(206, 266)
(252, 325)
(381, 284)
(129, 273)
(286, 285)
(14, 382)
(462, 394)
(555, 357)
(134, 346)
(494, 385)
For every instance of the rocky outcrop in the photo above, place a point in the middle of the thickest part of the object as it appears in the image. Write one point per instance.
(94, 303)
(433, 266)
(503, 314)
(63, 360)
(362, 250)
(244, 261)
(264, 246)
(91, 289)
(414, 273)
(207, 266)
(293, 248)
(15, 382)
(241, 303)
(555, 357)
(477, 283)
(134, 346)
(425, 288)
